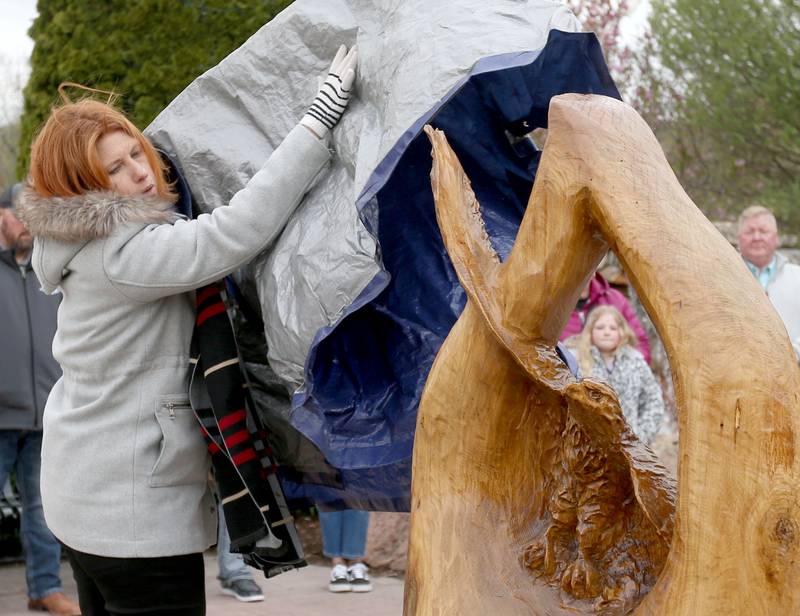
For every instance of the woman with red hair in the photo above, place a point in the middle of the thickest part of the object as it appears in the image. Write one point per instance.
(124, 465)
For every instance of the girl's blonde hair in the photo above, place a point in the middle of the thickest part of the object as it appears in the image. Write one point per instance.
(64, 160)
(584, 348)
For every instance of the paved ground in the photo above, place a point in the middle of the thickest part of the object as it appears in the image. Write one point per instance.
(300, 593)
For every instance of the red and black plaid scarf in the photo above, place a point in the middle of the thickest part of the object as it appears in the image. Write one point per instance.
(244, 467)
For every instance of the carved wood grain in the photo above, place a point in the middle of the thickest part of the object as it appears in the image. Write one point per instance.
(530, 494)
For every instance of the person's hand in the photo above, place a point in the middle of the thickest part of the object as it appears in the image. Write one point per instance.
(333, 95)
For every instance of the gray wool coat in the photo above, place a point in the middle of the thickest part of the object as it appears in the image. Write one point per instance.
(124, 466)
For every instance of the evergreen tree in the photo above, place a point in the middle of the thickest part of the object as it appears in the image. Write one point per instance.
(735, 72)
(146, 50)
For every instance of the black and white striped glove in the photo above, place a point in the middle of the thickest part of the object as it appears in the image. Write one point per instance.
(333, 95)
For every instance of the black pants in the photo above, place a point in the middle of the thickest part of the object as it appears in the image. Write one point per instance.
(168, 585)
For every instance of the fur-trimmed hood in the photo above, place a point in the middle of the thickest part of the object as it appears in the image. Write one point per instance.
(90, 216)
(62, 226)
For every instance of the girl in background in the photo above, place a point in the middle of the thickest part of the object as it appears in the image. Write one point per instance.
(598, 292)
(606, 352)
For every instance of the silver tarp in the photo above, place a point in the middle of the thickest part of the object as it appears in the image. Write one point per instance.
(222, 127)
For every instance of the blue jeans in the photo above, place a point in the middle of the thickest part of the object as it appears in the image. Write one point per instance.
(344, 533)
(21, 451)
(231, 566)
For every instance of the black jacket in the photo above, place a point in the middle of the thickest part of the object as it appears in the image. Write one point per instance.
(27, 326)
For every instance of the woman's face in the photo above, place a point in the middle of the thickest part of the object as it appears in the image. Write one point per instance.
(126, 164)
(605, 334)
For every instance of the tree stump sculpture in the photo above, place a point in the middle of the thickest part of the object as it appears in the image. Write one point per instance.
(530, 494)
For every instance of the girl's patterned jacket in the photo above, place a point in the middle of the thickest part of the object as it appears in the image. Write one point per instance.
(639, 393)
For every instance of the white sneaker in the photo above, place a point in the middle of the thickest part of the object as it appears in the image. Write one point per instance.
(358, 577)
(340, 581)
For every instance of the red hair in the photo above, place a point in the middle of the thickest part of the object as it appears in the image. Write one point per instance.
(64, 159)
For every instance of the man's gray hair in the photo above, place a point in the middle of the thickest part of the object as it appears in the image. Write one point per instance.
(752, 211)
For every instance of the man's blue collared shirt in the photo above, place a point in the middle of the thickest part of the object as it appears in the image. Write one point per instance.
(764, 276)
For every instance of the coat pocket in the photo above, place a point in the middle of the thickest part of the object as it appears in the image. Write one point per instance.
(183, 458)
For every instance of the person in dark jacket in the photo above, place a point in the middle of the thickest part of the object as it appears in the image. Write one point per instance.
(27, 372)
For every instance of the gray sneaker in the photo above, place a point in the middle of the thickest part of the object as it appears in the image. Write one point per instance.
(339, 580)
(243, 590)
(359, 578)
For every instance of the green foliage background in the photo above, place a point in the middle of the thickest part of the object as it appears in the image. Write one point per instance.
(146, 50)
(733, 73)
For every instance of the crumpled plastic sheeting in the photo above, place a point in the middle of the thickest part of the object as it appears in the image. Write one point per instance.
(365, 322)
(228, 121)
(366, 375)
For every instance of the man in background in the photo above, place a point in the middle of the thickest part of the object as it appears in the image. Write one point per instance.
(27, 373)
(758, 242)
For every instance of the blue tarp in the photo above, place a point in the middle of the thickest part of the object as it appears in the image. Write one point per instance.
(365, 375)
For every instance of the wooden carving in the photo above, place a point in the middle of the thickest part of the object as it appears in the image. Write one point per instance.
(530, 494)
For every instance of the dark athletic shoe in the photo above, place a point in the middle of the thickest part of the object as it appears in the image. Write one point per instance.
(243, 590)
